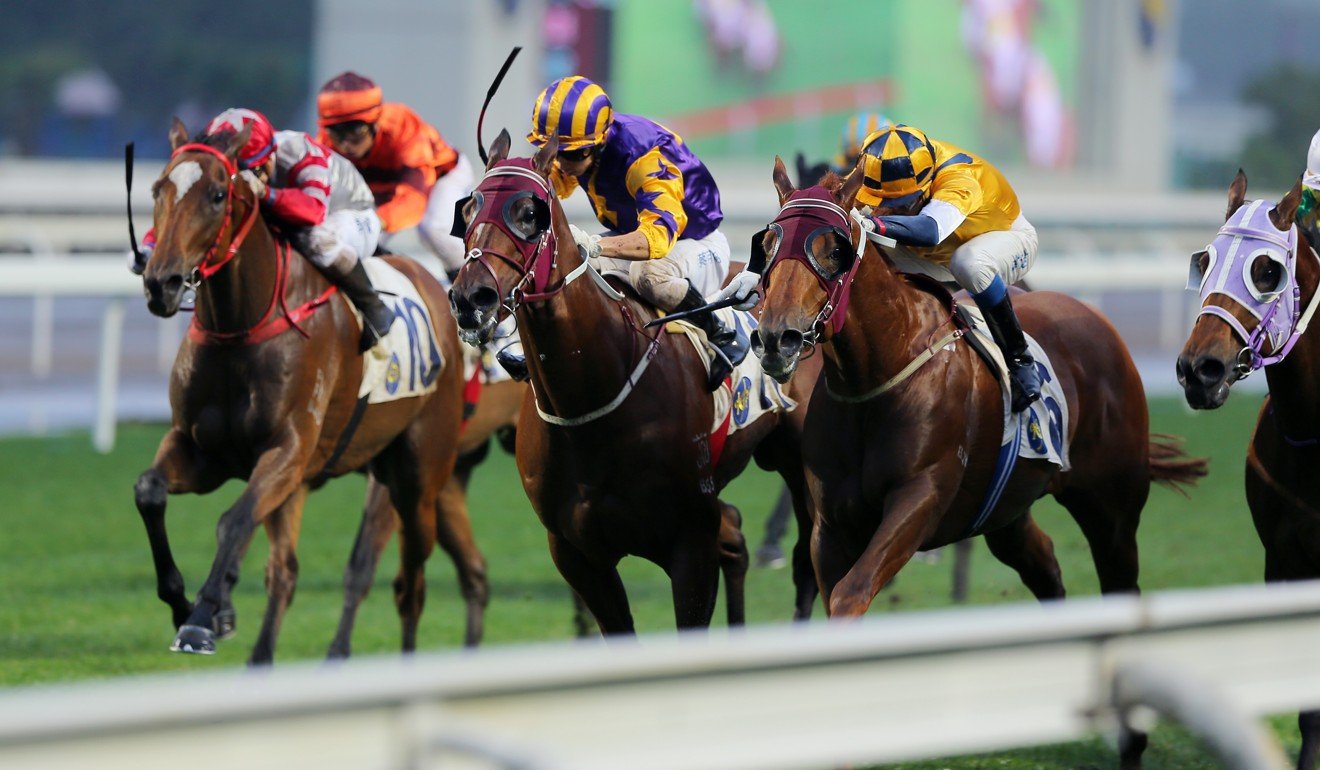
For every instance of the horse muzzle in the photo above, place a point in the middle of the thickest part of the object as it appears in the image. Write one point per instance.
(477, 318)
(779, 351)
(164, 293)
(1205, 380)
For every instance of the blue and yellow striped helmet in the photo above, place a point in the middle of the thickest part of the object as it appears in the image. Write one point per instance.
(576, 109)
(855, 131)
(898, 165)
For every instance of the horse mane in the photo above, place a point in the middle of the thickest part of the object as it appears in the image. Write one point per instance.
(831, 181)
(219, 140)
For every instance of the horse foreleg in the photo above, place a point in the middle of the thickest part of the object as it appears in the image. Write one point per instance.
(178, 468)
(805, 588)
(1024, 546)
(694, 576)
(282, 528)
(599, 587)
(909, 512)
(733, 563)
(454, 532)
(417, 539)
(276, 475)
(1309, 723)
(379, 522)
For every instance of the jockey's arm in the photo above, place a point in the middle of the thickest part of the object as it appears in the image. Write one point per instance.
(936, 221)
(305, 199)
(656, 185)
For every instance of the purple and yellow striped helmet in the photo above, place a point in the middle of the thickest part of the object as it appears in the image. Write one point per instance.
(576, 109)
(855, 131)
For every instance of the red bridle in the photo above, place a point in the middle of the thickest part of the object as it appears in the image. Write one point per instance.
(207, 268)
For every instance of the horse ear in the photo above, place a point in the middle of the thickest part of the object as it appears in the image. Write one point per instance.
(499, 149)
(783, 185)
(847, 192)
(237, 142)
(178, 134)
(1237, 193)
(545, 157)
(1284, 211)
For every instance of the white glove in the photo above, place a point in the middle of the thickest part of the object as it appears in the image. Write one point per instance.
(742, 288)
(588, 243)
(136, 266)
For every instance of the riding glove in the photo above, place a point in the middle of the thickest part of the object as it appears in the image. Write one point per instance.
(742, 288)
(588, 243)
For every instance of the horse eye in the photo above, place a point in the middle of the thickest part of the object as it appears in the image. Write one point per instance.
(218, 196)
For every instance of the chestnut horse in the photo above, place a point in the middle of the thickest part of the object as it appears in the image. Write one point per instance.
(252, 399)
(905, 425)
(1258, 282)
(614, 443)
(495, 415)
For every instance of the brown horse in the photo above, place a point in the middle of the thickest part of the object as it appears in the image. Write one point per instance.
(495, 415)
(614, 443)
(900, 455)
(1225, 345)
(252, 399)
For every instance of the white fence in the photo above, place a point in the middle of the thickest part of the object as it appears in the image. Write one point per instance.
(883, 689)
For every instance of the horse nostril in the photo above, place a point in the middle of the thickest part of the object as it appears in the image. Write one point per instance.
(1210, 371)
(790, 343)
(174, 284)
(485, 299)
(755, 341)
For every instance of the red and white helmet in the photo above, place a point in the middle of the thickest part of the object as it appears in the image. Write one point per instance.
(259, 145)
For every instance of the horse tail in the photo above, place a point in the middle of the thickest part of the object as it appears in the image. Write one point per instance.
(1170, 465)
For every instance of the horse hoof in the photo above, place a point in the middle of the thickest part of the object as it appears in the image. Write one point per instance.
(225, 623)
(194, 640)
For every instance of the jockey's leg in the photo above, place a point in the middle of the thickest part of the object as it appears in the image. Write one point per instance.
(335, 247)
(680, 281)
(985, 266)
(438, 221)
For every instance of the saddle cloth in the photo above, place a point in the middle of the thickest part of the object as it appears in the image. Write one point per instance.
(1041, 431)
(407, 362)
(749, 392)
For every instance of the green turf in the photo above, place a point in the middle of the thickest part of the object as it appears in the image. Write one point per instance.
(80, 591)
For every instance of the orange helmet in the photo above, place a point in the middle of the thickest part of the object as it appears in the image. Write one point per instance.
(348, 97)
(259, 145)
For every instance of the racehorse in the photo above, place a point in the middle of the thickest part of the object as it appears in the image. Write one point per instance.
(1258, 282)
(615, 440)
(906, 423)
(495, 415)
(269, 394)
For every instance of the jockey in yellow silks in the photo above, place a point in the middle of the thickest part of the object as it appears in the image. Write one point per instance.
(656, 199)
(955, 216)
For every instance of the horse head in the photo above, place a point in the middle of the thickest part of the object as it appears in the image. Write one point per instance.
(198, 207)
(508, 228)
(807, 259)
(1251, 302)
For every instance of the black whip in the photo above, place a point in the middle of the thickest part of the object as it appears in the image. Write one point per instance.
(719, 304)
(128, 186)
(494, 86)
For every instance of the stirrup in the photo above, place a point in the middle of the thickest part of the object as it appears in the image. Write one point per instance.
(720, 369)
(514, 364)
(1023, 394)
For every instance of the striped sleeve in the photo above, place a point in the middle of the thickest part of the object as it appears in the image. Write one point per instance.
(656, 184)
(305, 196)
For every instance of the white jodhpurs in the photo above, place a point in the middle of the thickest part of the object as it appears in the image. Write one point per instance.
(439, 217)
(700, 264)
(344, 238)
(1008, 254)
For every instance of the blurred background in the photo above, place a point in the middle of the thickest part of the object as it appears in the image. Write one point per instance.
(1120, 122)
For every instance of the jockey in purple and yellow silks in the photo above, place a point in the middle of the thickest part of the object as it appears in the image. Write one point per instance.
(656, 199)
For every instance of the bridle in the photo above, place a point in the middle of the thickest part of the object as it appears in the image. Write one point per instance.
(209, 264)
(801, 220)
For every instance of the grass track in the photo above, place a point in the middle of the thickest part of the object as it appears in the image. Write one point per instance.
(80, 600)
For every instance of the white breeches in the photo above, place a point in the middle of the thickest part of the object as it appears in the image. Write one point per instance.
(700, 264)
(1008, 254)
(439, 217)
(344, 238)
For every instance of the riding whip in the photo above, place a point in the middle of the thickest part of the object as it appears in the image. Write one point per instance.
(494, 86)
(679, 316)
(128, 185)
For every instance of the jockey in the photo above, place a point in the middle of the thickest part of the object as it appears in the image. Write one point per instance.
(414, 174)
(855, 131)
(320, 200)
(657, 200)
(1311, 183)
(957, 214)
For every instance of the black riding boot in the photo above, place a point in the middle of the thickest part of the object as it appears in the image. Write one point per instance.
(729, 346)
(513, 362)
(376, 315)
(1024, 379)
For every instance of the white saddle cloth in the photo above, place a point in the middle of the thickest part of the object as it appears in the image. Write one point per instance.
(407, 362)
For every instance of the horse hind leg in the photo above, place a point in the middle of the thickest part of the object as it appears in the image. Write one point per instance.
(1108, 515)
(282, 528)
(454, 532)
(598, 587)
(1024, 546)
(379, 522)
(1309, 723)
(694, 577)
(734, 560)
